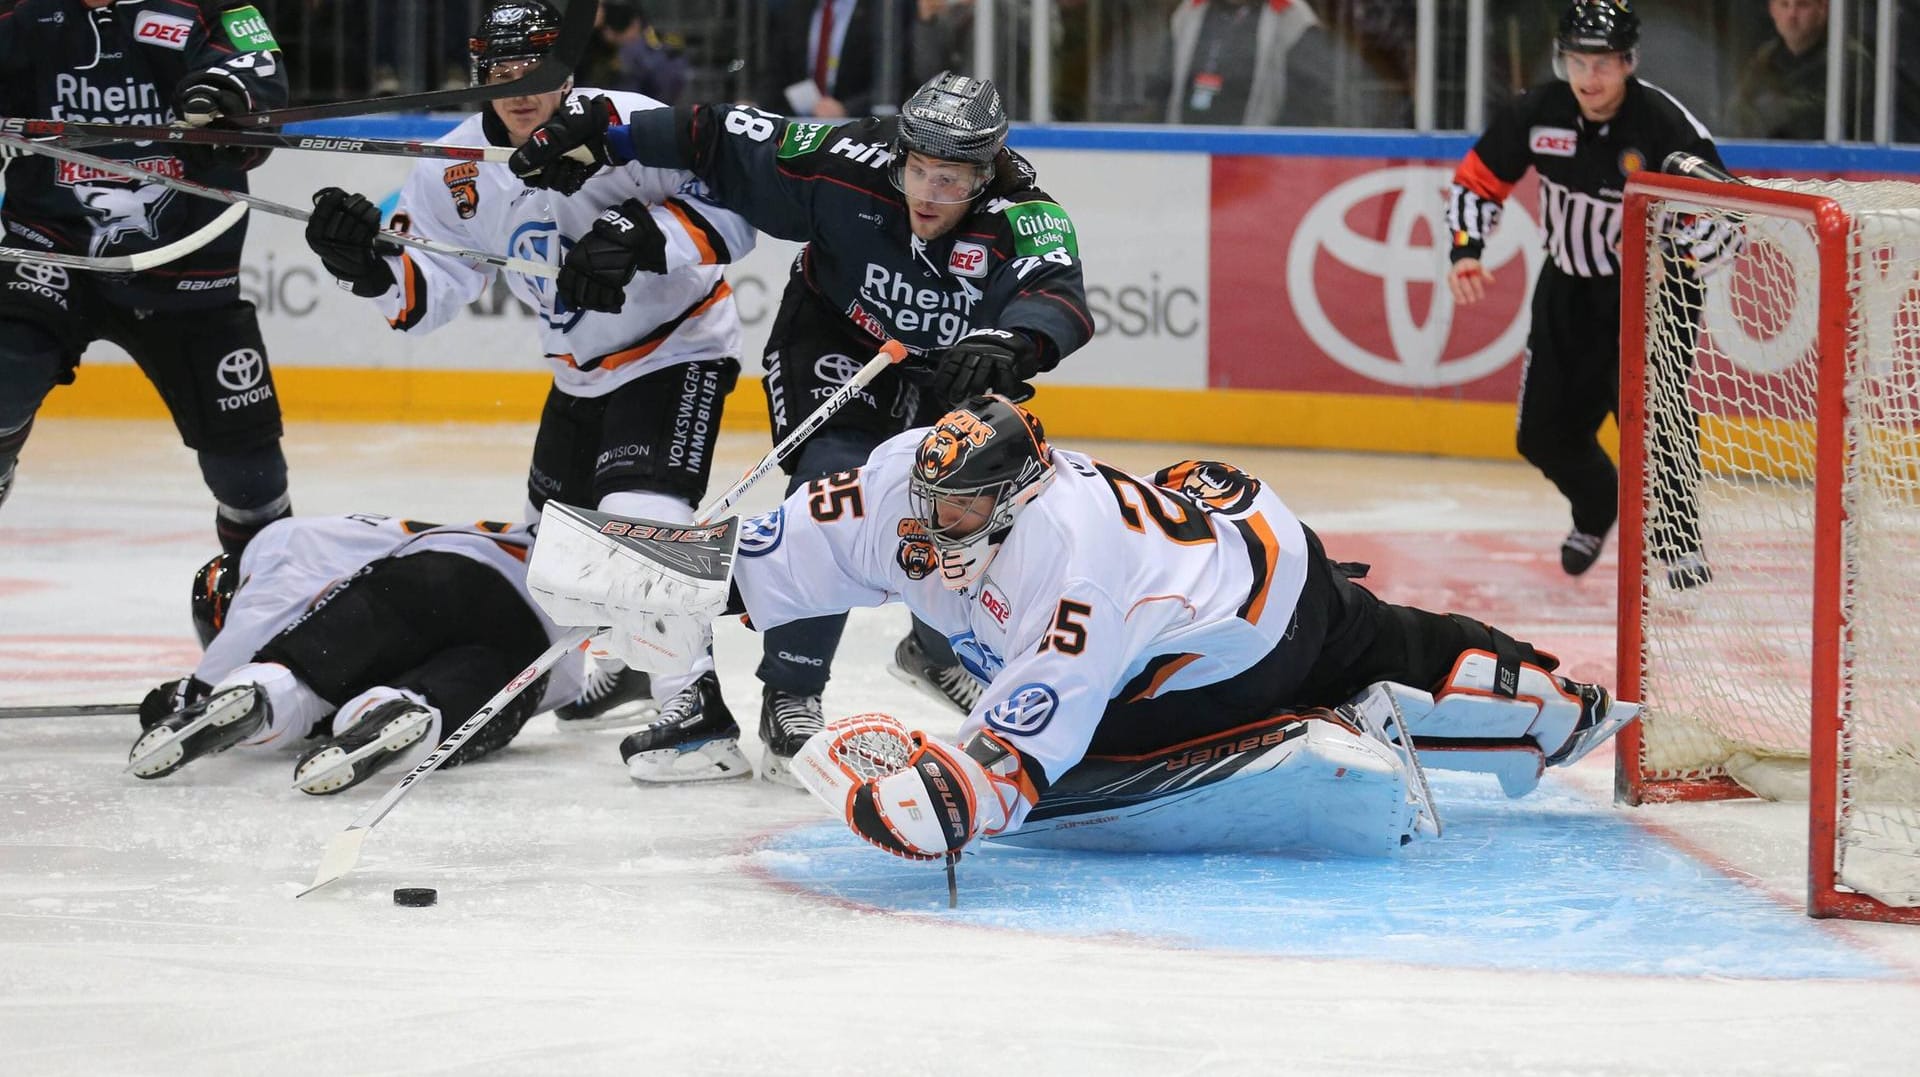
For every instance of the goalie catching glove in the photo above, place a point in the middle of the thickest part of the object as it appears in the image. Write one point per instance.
(910, 794)
(656, 585)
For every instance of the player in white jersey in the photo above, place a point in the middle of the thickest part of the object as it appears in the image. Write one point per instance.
(363, 631)
(1143, 640)
(630, 423)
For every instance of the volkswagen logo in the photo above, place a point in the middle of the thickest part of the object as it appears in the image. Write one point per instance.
(43, 274)
(1400, 263)
(835, 369)
(1026, 712)
(240, 370)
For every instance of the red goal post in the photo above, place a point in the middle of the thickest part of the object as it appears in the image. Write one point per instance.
(1781, 445)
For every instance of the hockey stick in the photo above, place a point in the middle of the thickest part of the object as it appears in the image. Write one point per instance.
(551, 73)
(264, 205)
(343, 852)
(76, 135)
(73, 710)
(134, 263)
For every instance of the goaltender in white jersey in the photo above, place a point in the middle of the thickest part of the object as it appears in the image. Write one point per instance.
(1171, 662)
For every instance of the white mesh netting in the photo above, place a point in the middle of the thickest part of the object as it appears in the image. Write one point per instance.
(1732, 358)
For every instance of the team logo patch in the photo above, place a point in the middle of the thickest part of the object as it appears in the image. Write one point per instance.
(461, 180)
(941, 451)
(1631, 161)
(166, 31)
(996, 604)
(916, 556)
(1553, 141)
(1026, 712)
(1219, 486)
(967, 260)
(760, 535)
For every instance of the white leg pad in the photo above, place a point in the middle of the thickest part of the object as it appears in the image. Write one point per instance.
(1328, 790)
(1474, 721)
(1540, 709)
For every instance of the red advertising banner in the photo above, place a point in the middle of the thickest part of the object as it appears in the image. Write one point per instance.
(1327, 276)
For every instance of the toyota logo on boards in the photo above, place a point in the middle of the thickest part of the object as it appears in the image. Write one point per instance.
(240, 370)
(1401, 263)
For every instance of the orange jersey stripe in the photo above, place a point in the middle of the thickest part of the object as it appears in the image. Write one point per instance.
(652, 344)
(1270, 547)
(1159, 679)
(708, 256)
(410, 310)
(1475, 176)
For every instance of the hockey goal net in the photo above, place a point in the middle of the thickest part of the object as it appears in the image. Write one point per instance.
(1770, 514)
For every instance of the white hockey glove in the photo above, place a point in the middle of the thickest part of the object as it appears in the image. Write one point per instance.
(904, 791)
(661, 644)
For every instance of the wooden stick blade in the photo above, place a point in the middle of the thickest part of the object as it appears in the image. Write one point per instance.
(343, 852)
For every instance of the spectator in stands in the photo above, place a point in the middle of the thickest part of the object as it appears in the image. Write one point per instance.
(638, 57)
(1257, 62)
(1782, 92)
(823, 57)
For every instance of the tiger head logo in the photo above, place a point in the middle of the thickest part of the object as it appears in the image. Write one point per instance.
(917, 557)
(462, 184)
(1219, 486)
(942, 448)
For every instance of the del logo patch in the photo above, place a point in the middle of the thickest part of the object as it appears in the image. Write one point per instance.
(1553, 141)
(967, 260)
(167, 31)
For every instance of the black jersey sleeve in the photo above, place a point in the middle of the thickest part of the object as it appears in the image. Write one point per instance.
(233, 41)
(750, 160)
(1038, 287)
(1485, 176)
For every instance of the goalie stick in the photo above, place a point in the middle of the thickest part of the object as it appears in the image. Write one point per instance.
(343, 852)
(69, 710)
(138, 262)
(77, 135)
(551, 73)
(265, 205)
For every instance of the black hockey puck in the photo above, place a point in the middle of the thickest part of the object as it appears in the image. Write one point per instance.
(418, 897)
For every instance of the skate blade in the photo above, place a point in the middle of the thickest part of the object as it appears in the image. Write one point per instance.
(338, 774)
(641, 712)
(719, 759)
(779, 771)
(149, 764)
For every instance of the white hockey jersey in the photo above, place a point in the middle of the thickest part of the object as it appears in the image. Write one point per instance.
(684, 315)
(293, 563)
(1106, 583)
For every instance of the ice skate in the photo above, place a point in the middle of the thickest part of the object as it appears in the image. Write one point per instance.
(695, 739)
(1601, 716)
(615, 695)
(951, 685)
(786, 721)
(1579, 550)
(209, 727)
(380, 735)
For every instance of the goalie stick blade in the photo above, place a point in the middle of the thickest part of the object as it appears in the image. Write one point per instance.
(551, 73)
(141, 261)
(343, 852)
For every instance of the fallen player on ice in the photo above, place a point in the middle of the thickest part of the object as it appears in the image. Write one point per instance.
(362, 633)
(1172, 663)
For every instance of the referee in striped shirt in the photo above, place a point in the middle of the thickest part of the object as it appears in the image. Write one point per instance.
(1584, 136)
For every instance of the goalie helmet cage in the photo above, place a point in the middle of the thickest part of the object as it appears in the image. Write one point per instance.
(1794, 671)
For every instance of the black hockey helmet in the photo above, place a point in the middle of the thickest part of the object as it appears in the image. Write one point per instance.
(1599, 26)
(213, 588)
(952, 118)
(988, 447)
(511, 30)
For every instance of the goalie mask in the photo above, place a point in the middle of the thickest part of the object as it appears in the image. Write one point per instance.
(511, 30)
(972, 474)
(958, 122)
(213, 588)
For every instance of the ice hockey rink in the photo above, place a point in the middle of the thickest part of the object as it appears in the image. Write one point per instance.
(588, 925)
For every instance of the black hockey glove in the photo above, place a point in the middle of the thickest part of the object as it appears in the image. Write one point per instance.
(548, 158)
(170, 699)
(986, 361)
(623, 241)
(344, 231)
(206, 96)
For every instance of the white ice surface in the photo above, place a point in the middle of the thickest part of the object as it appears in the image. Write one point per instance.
(586, 925)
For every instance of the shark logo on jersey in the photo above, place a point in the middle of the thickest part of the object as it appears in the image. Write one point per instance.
(760, 535)
(980, 659)
(541, 241)
(121, 209)
(1026, 712)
